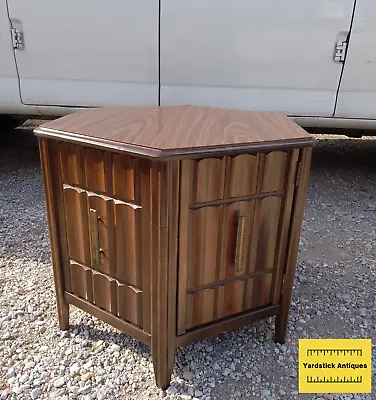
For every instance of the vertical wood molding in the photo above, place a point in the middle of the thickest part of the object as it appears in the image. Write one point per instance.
(55, 219)
(162, 324)
(293, 245)
(185, 193)
(146, 245)
(283, 229)
(173, 234)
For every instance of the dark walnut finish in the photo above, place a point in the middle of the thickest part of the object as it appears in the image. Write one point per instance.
(174, 223)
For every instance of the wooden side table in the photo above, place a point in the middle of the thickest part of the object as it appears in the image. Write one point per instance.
(174, 223)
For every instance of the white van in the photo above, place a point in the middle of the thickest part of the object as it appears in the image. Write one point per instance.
(312, 60)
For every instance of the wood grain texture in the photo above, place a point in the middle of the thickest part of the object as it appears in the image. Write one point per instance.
(54, 207)
(123, 175)
(212, 283)
(241, 175)
(130, 304)
(69, 163)
(173, 187)
(94, 162)
(225, 325)
(109, 318)
(226, 299)
(293, 245)
(99, 171)
(123, 229)
(175, 130)
(208, 176)
(285, 223)
(145, 241)
(81, 281)
(128, 263)
(205, 228)
(274, 171)
(184, 253)
(267, 238)
(120, 299)
(160, 347)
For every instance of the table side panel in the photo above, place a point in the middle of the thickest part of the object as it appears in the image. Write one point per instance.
(107, 208)
(231, 248)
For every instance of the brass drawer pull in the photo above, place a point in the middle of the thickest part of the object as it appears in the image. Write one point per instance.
(240, 240)
(94, 237)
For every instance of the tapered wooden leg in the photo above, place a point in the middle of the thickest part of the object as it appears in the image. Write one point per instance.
(280, 329)
(164, 267)
(54, 207)
(63, 314)
(162, 366)
(292, 252)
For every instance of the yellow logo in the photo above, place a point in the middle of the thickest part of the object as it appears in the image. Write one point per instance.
(335, 365)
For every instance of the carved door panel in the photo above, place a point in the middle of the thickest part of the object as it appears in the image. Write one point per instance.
(232, 234)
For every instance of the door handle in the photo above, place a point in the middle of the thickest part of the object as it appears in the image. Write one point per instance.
(94, 237)
(240, 241)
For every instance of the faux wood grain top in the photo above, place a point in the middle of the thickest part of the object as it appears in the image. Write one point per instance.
(176, 131)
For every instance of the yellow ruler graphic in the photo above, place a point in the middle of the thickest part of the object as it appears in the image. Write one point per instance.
(335, 365)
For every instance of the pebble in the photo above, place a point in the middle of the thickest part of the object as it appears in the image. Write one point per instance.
(85, 377)
(115, 347)
(12, 380)
(362, 312)
(74, 369)
(35, 393)
(188, 375)
(24, 378)
(216, 367)
(84, 389)
(101, 395)
(265, 392)
(4, 394)
(59, 382)
(68, 352)
(269, 335)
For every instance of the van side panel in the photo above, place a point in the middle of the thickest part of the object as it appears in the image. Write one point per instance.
(250, 54)
(88, 53)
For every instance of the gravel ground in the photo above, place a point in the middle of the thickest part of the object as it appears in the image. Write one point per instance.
(334, 296)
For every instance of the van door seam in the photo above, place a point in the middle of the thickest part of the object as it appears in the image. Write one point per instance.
(343, 65)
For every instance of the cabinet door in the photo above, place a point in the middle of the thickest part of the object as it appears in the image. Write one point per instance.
(91, 53)
(357, 93)
(232, 248)
(105, 265)
(251, 54)
(106, 220)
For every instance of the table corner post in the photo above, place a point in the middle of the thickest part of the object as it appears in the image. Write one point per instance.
(293, 245)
